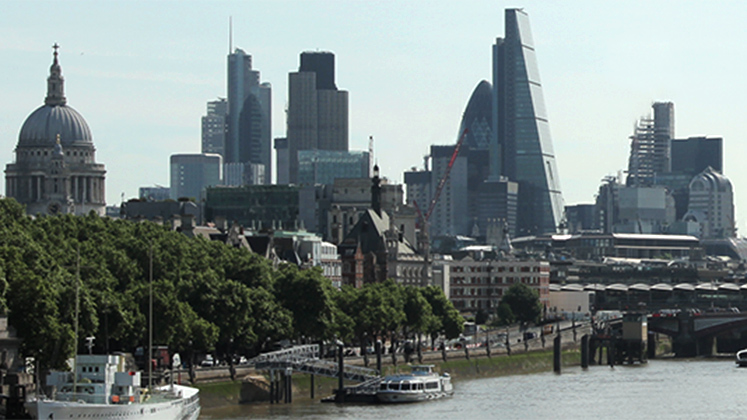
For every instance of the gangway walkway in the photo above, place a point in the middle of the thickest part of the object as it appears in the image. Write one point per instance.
(306, 351)
(305, 359)
(319, 367)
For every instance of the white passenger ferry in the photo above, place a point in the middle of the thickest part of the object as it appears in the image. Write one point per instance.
(103, 388)
(419, 385)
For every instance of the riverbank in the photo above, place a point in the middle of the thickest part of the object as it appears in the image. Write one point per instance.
(221, 394)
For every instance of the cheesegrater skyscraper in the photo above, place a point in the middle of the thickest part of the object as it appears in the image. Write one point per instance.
(521, 148)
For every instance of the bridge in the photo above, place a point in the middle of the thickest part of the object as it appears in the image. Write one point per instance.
(693, 334)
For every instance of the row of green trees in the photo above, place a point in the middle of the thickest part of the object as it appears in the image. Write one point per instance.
(207, 296)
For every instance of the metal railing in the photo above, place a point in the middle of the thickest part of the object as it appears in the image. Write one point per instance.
(306, 351)
(319, 367)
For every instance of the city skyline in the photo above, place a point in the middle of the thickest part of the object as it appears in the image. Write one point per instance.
(141, 75)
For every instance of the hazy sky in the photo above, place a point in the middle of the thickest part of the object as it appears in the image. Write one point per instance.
(141, 72)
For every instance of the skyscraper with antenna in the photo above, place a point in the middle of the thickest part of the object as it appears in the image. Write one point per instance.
(249, 118)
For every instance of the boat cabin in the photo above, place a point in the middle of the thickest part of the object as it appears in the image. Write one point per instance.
(100, 379)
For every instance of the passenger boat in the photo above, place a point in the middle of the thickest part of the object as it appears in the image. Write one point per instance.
(742, 358)
(419, 385)
(103, 388)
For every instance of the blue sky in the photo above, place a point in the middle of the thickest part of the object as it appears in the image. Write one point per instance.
(141, 72)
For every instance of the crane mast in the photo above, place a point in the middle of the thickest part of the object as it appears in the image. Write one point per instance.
(425, 218)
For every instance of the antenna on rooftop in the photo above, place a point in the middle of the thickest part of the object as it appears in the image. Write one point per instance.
(370, 153)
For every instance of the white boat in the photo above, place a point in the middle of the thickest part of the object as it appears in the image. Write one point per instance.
(742, 358)
(103, 388)
(419, 385)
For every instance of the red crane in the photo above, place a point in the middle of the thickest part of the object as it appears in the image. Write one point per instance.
(441, 183)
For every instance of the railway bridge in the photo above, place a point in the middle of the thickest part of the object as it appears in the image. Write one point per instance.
(694, 334)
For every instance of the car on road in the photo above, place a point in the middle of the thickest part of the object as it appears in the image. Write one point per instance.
(208, 361)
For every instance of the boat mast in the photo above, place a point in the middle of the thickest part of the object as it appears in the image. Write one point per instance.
(150, 323)
(77, 310)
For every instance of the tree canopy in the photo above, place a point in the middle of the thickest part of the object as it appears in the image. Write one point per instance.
(207, 296)
(521, 303)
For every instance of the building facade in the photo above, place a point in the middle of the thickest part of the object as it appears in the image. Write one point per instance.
(450, 215)
(191, 174)
(711, 205)
(214, 127)
(521, 148)
(351, 197)
(376, 249)
(324, 166)
(317, 117)
(480, 284)
(55, 169)
(694, 154)
(255, 207)
(650, 146)
(156, 193)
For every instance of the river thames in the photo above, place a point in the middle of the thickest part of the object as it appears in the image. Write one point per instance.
(661, 389)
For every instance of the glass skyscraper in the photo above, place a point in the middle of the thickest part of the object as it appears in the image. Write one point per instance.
(248, 136)
(521, 148)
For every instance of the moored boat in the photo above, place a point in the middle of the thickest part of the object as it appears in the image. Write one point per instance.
(742, 358)
(419, 385)
(103, 388)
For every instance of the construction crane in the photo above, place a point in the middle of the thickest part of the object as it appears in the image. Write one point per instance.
(425, 217)
(442, 181)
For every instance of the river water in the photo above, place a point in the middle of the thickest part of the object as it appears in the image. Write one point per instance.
(661, 389)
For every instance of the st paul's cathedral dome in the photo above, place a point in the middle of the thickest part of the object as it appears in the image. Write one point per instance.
(55, 169)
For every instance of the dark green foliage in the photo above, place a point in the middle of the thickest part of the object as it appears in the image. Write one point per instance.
(505, 314)
(207, 297)
(481, 317)
(523, 303)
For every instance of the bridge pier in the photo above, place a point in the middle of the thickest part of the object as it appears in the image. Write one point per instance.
(651, 345)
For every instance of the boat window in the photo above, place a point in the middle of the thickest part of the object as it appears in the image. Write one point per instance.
(383, 386)
(405, 386)
(431, 385)
(393, 385)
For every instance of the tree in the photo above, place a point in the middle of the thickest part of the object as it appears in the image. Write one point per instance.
(481, 317)
(418, 312)
(307, 294)
(505, 315)
(447, 321)
(523, 302)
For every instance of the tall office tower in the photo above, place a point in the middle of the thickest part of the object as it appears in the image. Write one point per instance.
(214, 127)
(317, 111)
(650, 146)
(521, 148)
(249, 118)
(192, 173)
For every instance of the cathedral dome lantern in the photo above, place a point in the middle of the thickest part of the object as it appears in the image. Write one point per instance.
(55, 116)
(55, 157)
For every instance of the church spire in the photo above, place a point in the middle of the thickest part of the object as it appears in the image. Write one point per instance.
(55, 82)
